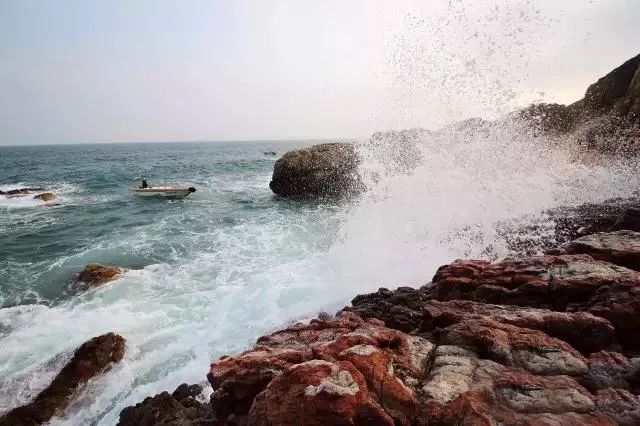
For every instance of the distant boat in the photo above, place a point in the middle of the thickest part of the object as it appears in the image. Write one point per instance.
(271, 153)
(164, 191)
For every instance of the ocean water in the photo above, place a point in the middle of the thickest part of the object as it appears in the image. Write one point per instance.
(210, 273)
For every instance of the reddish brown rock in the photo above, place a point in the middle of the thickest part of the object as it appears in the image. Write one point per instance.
(563, 282)
(386, 365)
(531, 350)
(318, 393)
(585, 332)
(95, 274)
(465, 389)
(620, 247)
(350, 371)
(412, 310)
(94, 357)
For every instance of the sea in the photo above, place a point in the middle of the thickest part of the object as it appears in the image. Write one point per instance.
(208, 274)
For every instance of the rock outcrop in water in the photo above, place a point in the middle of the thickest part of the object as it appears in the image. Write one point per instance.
(181, 407)
(47, 196)
(325, 170)
(21, 191)
(95, 274)
(94, 357)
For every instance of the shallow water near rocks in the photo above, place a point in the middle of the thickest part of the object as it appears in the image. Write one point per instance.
(211, 273)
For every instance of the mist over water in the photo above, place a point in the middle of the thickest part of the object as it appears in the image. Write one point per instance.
(211, 273)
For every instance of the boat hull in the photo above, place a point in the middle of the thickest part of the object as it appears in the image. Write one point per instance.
(164, 192)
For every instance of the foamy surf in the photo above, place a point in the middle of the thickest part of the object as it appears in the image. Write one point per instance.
(209, 275)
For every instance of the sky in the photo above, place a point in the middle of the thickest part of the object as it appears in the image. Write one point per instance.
(83, 71)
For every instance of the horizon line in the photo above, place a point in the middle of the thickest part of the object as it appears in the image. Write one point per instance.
(133, 142)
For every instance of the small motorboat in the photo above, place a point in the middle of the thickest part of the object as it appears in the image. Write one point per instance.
(164, 191)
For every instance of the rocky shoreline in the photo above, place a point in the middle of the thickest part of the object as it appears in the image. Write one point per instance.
(544, 339)
(530, 340)
(547, 337)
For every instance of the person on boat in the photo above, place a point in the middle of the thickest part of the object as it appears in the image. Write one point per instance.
(144, 185)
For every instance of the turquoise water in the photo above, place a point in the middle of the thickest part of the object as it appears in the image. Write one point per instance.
(97, 218)
(210, 273)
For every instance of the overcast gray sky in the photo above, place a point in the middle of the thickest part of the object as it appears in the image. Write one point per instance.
(158, 70)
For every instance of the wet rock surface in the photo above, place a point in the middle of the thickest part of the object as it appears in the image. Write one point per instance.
(531, 340)
(347, 370)
(325, 170)
(21, 191)
(182, 407)
(91, 359)
(559, 226)
(95, 274)
(47, 196)
(536, 340)
(621, 247)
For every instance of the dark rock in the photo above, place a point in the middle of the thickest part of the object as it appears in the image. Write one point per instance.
(620, 247)
(618, 91)
(612, 370)
(549, 118)
(181, 408)
(605, 119)
(586, 332)
(620, 405)
(21, 191)
(556, 227)
(326, 170)
(94, 357)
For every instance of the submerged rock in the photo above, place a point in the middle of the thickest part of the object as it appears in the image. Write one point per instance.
(181, 407)
(325, 170)
(21, 191)
(95, 274)
(94, 357)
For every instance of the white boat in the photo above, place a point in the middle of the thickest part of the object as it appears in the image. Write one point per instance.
(164, 191)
